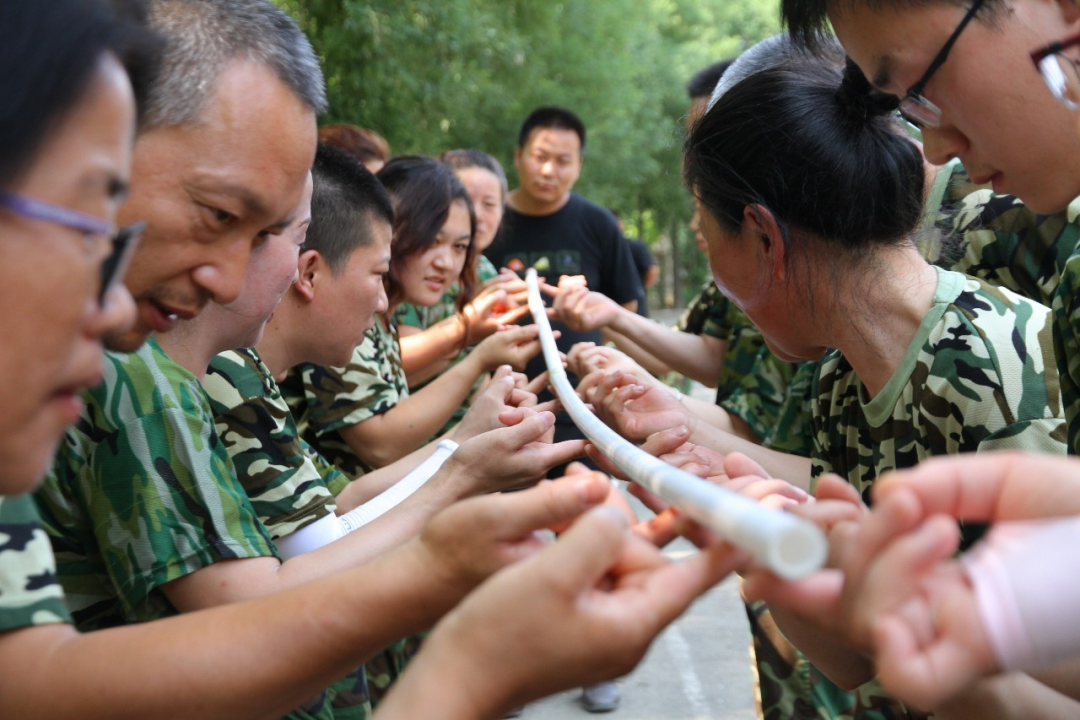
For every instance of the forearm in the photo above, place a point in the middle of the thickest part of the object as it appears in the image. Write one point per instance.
(255, 659)
(637, 353)
(698, 357)
(434, 347)
(390, 436)
(376, 482)
(793, 468)
(837, 660)
(433, 686)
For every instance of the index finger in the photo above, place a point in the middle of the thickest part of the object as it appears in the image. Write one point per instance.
(991, 486)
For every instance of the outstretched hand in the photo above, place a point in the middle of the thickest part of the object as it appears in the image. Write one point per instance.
(584, 610)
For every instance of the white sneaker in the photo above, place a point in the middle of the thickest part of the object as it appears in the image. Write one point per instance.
(601, 698)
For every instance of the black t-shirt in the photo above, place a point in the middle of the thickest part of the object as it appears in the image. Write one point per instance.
(643, 261)
(582, 238)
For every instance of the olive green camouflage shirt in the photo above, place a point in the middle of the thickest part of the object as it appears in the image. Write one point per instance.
(1037, 256)
(142, 492)
(326, 399)
(975, 378)
(29, 592)
(288, 484)
(286, 488)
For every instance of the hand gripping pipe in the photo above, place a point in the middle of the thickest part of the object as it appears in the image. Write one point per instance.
(788, 545)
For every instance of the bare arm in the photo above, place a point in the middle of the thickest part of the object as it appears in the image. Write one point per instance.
(382, 439)
(504, 458)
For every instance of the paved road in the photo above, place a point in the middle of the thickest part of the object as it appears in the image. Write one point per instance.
(698, 668)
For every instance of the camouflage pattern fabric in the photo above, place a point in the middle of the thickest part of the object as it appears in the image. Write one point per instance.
(708, 313)
(142, 492)
(996, 238)
(29, 592)
(973, 379)
(793, 428)
(1067, 347)
(325, 399)
(285, 487)
(286, 481)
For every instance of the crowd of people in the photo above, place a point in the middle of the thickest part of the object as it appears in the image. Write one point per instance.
(278, 441)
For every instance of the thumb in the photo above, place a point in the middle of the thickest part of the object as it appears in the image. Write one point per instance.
(550, 504)
(666, 441)
(520, 432)
(584, 553)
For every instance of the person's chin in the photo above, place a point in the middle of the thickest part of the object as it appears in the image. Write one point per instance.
(127, 341)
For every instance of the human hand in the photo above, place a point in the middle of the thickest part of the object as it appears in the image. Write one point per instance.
(823, 600)
(586, 358)
(501, 392)
(917, 604)
(492, 309)
(633, 409)
(513, 346)
(509, 457)
(582, 309)
(471, 539)
(584, 610)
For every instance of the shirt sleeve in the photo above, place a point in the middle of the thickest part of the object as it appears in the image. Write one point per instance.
(621, 281)
(164, 501)
(257, 430)
(29, 592)
(1067, 347)
(366, 387)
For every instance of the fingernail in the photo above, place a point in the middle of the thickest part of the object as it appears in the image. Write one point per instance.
(681, 431)
(637, 388)
(586, 490)
(548, 418)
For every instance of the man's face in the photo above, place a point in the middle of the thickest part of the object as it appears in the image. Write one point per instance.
(997, 115)
(548, 165)
(347, 306)
(271, 270)
(210, 191)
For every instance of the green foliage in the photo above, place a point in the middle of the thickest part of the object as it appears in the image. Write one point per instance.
(431, 75)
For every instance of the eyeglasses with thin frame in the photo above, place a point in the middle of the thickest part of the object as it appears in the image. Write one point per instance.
(916, 109)
(1059, 71)
(123, 241)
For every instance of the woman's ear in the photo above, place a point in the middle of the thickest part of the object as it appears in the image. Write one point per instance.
(310, 269)
(761, 226)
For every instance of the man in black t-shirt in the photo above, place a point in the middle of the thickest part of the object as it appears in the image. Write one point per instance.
(548, 227)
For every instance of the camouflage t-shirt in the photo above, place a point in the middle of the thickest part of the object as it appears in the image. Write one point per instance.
(29, 592)
(975, 378)
(142, 492)
(708, 313)
(285, 487)
(325, 399)
(996, 238)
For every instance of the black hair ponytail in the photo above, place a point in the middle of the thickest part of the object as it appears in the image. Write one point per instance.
(817, 147)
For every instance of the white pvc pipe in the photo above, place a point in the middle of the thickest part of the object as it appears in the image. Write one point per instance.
(788, 545)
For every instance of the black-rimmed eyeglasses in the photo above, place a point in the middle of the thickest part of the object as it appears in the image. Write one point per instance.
(916, 109)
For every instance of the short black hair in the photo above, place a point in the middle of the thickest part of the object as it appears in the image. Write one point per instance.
(345, 200)
(50, 51)
(555, 118)
(814, 145)
(808, 20)
(704, 81)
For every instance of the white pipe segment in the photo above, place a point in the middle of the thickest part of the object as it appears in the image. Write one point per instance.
(788, 545)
